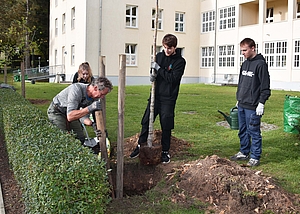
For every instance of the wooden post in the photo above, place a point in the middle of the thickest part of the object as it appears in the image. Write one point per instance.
(23, 79)
(102, 74)
(101, 125)
(120, 142)
(5, 74)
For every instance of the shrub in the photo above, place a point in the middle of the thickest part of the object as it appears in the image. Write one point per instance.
(55, 172)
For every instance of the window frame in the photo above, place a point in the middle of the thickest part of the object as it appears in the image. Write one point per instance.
(270, 15)
(207, 56)
(133, 18)
(208, 21)
(73, 13)
(56, 26)
(73, 54)
(226, 56)
(275, 53)
(63, 23)
(159, 21)
(227, 18)
(131, 54)
(296, 48)
(179, 25)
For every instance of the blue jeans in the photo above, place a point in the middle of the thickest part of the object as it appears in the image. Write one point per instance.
(249, 130)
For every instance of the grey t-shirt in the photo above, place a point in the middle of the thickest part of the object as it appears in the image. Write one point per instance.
(73, 97)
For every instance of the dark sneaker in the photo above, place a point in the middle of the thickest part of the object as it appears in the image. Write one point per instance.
(253, 162)
(165, 157)
(239, 156)
(135, 152)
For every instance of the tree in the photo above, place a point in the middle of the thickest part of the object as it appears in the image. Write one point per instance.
(24, 27)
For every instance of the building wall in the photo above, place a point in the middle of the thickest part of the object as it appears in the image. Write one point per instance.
(101, 31)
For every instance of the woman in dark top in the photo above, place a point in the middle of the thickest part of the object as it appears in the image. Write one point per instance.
(84, 74)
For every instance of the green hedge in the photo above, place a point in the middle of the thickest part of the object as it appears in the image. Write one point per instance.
(56, 174)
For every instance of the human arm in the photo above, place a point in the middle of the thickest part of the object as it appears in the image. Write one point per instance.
(174, 71)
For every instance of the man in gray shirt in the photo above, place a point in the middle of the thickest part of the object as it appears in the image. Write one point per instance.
(75, 102)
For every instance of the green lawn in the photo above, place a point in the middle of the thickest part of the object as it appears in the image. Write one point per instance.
(195, 121)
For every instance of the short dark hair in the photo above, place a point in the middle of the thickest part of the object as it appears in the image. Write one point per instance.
(102, 83)
(248, 41)
(170, 40)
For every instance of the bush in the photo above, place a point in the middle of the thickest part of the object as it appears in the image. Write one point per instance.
(55, 172)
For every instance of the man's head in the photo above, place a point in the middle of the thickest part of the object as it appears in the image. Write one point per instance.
(247, 47)
(99, 87)
(169, 43)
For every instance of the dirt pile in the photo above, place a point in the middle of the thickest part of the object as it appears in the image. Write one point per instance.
(231, 188)
(225, 185)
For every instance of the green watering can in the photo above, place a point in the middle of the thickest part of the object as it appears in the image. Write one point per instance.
(233, 118)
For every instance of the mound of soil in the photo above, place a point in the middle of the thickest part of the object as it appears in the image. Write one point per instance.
(223, 184)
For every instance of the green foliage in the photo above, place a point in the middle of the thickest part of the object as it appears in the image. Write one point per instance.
(56, 173)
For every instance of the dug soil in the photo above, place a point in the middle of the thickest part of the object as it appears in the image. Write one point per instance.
(222, 185)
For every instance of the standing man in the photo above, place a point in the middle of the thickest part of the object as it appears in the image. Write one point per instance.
(76, 102)
(252, 93)
(169, 68)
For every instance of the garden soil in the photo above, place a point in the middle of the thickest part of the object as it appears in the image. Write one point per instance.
(225, 186)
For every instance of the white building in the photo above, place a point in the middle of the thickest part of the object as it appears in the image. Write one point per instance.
(83, 30)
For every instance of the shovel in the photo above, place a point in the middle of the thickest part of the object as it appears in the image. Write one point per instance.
(151, 155)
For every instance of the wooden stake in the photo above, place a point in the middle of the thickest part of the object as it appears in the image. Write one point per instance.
(102, 142)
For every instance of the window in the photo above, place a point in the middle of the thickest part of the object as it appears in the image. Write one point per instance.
(179, 22)
(158, 49)
(269, 15)
(208, 21)
(226, 56)
(297, 54)
(64, 23)
(207, 55)
(227, 18)
(159, 23)
(130, 50)
(275, 54)
(56, 27)
(56, 2)
(298, 10)
(73, 55)
(131, 16)
(55, 57)
(73, 18)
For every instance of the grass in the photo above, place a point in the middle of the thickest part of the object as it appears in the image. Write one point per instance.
(195, 121)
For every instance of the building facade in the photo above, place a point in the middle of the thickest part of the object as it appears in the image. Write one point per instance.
(209, 32)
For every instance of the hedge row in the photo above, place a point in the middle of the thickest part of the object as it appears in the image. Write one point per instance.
(56, 174)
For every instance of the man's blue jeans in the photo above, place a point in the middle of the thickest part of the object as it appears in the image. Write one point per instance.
(249, 130)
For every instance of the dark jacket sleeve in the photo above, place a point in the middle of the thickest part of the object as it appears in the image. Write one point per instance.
(75, 77)
(264, 78)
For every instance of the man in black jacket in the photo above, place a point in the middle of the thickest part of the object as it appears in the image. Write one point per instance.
(169, 68)
(252, 93)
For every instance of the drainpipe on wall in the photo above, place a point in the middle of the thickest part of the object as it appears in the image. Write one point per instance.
(215, 43)
(100, 33)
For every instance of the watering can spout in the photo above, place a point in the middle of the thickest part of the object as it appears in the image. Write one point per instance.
(228, 118)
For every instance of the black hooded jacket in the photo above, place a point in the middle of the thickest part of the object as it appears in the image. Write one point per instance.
(169, 76)
(254, 83)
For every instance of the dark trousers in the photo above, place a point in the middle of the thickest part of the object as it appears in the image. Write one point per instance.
(59, 119)
(166, 116)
